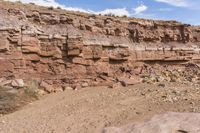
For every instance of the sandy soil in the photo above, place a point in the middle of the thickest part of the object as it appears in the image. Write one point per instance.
(90, 110)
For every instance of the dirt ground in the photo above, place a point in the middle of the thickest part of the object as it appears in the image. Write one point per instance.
(90, 110)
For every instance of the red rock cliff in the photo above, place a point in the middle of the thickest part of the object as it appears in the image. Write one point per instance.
(64, 48)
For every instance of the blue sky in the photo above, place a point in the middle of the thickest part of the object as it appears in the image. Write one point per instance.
(186, 11)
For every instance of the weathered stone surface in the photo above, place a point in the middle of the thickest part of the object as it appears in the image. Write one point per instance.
(18, 83)
(82, 61)
(128, 81)
(87, 53)
(97, 52)
(4, 44)
(119, 54)
(68, 88)
(92, 52)
(47, 87)
(167, 123)
(73, 52)
(5, 82)
(32, 57)
(30, 41)
(30, 49)
(6, 65)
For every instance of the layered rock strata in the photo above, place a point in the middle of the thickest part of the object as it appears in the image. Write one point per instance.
(63, 48)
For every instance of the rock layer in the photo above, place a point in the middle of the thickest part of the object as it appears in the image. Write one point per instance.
(59, 48)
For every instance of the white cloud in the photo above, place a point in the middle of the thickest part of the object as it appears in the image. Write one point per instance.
(40, 2)
(140, 9)
(53, 3)
(117, 12)
(178, 3)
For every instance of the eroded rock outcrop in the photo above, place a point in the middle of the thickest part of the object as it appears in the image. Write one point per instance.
(60, 49)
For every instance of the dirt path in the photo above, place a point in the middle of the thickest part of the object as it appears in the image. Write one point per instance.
(89, 110)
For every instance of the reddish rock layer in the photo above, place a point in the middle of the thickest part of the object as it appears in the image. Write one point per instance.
(64, 48)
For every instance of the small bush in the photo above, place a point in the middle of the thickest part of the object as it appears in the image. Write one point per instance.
(12, 99)
(109, 15)
(19, 2)
(124, 16)
(32, 3)
(59, 8)
(50, 8)
(32, 89)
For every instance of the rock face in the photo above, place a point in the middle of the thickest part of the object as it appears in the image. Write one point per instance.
(167, 123)
(67, 49)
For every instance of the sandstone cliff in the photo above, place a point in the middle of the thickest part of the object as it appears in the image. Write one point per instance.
(59, 48)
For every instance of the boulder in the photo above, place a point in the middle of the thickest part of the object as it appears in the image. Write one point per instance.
(65, 20)
(89, 27)
(5, 82)
(166, 123)
(127, 81)
(47, 87)
(50, 18)
(85, 84)
(78, 87)
(36, 16)
(18, 83)
(68, 88)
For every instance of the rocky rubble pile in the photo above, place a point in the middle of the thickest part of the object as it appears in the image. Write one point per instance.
(188, 73)
(18, 83)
